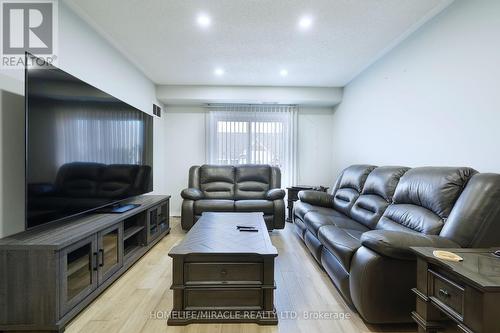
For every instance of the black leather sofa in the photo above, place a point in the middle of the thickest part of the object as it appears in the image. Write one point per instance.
(361, 232)
(241, 188)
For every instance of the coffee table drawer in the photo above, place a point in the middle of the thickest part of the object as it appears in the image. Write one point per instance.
(447, 292)
(223, 273)
(223, 298)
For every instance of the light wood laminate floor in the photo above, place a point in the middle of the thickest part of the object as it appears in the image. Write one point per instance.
(303, 288)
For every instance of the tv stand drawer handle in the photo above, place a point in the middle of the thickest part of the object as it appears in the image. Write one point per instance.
(223, 272)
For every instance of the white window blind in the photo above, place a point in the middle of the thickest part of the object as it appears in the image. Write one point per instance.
(253, 134)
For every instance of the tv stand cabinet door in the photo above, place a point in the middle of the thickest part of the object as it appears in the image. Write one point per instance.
(78, 272)
(110, 251)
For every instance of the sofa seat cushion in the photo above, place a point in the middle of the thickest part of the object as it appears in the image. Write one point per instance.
(345, 222)
(264, 206)
(314, 220)
(300, 227)
(213, 205)
(301, 208)
(342, 243)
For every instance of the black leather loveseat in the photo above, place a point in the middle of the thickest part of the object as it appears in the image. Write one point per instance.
(241, 188)
(361, 232)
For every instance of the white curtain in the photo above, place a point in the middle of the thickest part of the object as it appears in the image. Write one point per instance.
(254, 134)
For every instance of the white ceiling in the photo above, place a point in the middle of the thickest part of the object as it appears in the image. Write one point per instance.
(252, 40)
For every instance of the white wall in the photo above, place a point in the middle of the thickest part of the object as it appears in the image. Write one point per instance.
(85, 54)
(314, 153)
(185, 146)
(12, 166)
(433, 100)
(198, 95)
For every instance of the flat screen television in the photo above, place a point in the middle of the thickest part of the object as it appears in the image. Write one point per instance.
(85, 149)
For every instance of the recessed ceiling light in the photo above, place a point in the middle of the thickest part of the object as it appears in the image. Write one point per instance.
(305, 22)
(219, 71)
(204, 20)
(283, 72)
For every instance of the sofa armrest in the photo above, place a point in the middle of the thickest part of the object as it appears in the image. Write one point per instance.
(275, 194)
(396, 244)
(316, 198)
(191, 194)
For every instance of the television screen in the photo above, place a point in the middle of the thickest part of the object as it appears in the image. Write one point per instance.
(85, 149)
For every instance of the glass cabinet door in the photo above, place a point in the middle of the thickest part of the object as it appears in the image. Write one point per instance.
(153, 223)
(79, 272)
(110, 254)
(158, 220)
(163, 217)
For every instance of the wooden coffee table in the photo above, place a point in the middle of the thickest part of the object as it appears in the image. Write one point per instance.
(224, 275)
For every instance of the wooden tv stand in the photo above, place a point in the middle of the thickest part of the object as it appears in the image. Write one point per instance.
(49, 274)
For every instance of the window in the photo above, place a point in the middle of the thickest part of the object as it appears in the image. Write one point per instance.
(253, 134)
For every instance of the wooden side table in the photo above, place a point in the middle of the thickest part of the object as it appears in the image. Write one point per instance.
(292, 196)
(464, 296)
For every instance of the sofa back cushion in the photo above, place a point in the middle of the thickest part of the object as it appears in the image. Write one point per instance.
(424, 198)
(275, 177)
(252, 181)
(377, 194)
(349, 186)
(194, 177)
(117, 180)
(217, 181)
(79, 179)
